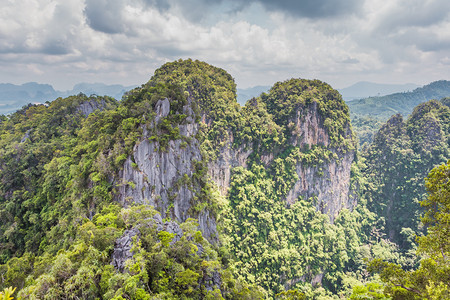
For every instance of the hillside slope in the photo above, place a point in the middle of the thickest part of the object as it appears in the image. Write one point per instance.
(401, 156)
(13, 97)
(178, 192)
(384, 107)
(364, 89)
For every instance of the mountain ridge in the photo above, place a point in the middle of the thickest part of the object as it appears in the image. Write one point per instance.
(13, 97)
(177, 191)
(365, 89)
(384, 107)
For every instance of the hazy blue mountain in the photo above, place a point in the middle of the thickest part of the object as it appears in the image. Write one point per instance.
(369, 114)
(115, 90)
(364, 89)
(359, 90)
(245, 94)
(384, 107)
(13, 97)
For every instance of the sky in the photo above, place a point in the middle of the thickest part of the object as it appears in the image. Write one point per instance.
(259, 42)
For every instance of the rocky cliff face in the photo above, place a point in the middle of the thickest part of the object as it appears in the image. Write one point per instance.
(326, 182)
(228, 158)
(402, 154)
(163, 177)
(328, 185)
(88, 107)
(308, 128)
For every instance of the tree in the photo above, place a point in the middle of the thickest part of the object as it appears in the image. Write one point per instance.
(432, 279)
(7, 293)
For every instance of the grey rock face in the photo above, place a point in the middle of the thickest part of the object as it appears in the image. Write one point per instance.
(170, 227)
(212, 281)
(88, 107)
(122, 249)
(228, 158)
(163, 179)
(162, 108)
(329, 183)
(153, 178)
(309, 128)
(26, 136)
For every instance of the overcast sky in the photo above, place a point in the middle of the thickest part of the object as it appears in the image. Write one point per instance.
(259, 42)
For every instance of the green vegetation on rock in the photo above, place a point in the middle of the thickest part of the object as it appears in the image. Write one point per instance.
(399, 159)
(295, 212)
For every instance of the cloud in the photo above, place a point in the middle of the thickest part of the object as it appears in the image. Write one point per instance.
(258, 41)
(105, 15)
(55, 47)
(314, 9)
(350, 61)
(401, 14)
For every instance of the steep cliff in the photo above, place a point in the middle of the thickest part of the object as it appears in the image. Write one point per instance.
(163, 175)
(402, 154)
(176, 191)
(327, 178)
(169, 164)
(316, 122)
(297, 139)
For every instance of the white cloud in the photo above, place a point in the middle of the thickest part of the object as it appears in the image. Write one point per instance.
(69, 41)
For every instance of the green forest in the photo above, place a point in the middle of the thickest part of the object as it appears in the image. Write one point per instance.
(175, 191)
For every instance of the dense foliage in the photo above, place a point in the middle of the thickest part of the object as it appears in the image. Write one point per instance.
(369, 114)
(432, 279)
(276, 245)
(160, 267)
(365, 128)
(399, 159)
(286, 99)
(384, 107)
(34, 170)
(60, 176)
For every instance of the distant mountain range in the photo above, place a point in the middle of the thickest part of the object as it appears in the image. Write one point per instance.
(245, 94)
(13, 97)
(382, 108)
(378, 100)
(364, 89)
(359, 90)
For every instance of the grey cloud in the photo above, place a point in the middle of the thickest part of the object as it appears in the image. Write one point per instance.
(436, 46)
(414, 14)
(301, 8)
(172, 51)
(424, 40)
(397, 34)
(50, 47)
(350, 61)
(314, 9)
(105, 15)
(55, 47)
(162, 5)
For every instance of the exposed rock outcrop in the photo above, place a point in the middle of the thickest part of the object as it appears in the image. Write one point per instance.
(88, 107)
(122, 248)
(26, 136)
(228, 158)
(327, 183)
(163, 178)
(308, 127)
